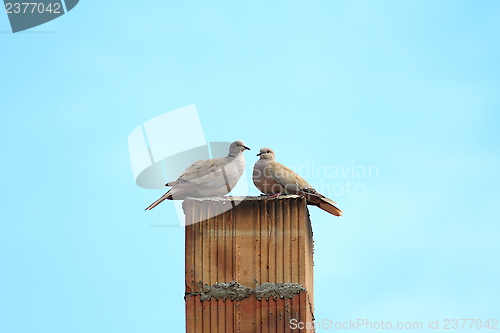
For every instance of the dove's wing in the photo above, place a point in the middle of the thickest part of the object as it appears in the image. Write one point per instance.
(206, 173)
(287, 178)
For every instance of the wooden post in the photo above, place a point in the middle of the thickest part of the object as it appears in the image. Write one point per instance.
(249, 268)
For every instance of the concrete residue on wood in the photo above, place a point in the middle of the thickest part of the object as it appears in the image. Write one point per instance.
(277, 290)
(236, 292)
(233, 291)
(240, 198)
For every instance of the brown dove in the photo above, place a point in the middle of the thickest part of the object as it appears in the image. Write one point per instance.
(206, 178)
(271, 177)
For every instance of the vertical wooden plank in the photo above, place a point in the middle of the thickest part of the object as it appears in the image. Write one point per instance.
(198, 248)
(309, 257)
(214, 318)
(272, 241)
(302, 316)
(206, 245)
(258, 240)
(198, 318)
(264, 246)
(294, 313)
(228, 241)
(234, 252)
(190, 314)
(289, 309)
(258, 317)
(205, 321)
(221, 313)
(287, 235)
(231, 317)
(245, 247)
(214, 237)
(272, 316)
(279, 316)
(189, 257)
(294, 225)
(279, 240)
(302, 239)
(237, 317)
(221, 250)
(264, 315)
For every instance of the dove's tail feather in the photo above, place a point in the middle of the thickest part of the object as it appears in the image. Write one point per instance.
(328, 206)
(166, 196)
(317, 199)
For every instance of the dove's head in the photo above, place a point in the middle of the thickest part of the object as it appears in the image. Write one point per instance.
(266, 154)
(237, 147)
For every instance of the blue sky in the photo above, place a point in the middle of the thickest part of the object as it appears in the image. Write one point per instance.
(411, 87)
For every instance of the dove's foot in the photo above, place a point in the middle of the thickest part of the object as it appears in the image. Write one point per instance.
(275, 195)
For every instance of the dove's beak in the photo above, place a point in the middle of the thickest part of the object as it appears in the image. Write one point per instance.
(259, 154)
(246, 148)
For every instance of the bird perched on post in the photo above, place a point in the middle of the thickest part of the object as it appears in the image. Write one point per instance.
(274, 178)
(206, 178)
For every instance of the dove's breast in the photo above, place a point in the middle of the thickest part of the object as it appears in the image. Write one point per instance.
(225, 177)
(263, 179)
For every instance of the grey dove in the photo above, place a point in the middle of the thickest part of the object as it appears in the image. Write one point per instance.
(271, 177)
(206, 178)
